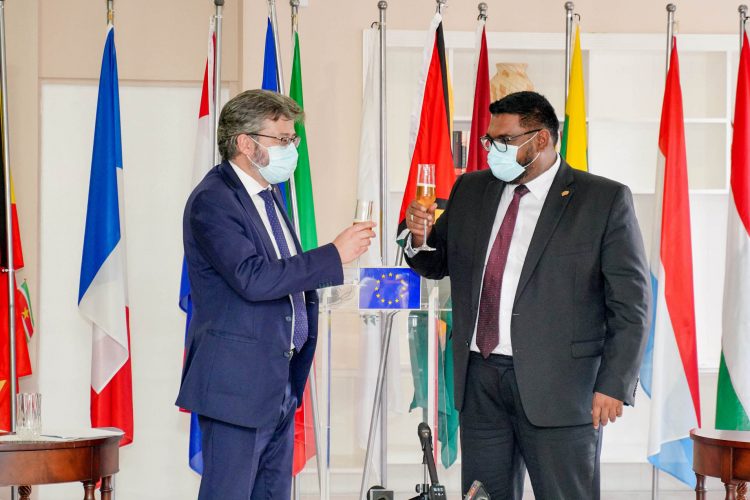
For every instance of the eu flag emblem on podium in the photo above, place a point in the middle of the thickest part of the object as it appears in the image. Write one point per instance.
(389, 288)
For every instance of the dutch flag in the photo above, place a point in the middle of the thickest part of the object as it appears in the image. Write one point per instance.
(669, 374)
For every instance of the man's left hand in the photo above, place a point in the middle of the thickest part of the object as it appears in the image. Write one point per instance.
(605, 409)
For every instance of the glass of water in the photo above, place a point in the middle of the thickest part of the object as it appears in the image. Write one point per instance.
(28, 415)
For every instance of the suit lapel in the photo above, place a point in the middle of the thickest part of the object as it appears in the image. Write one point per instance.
(230, 177)
(552, 210)
(487, 213)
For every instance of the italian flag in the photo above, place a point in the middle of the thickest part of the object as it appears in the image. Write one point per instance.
(304, 430)
(733, 396)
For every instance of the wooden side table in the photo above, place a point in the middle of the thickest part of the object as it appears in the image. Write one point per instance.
(61, 461)
(722, 454)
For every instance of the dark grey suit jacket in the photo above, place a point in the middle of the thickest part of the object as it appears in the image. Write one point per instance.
(582, 306)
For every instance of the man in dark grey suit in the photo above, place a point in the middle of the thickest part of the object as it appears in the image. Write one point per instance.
(551, 305)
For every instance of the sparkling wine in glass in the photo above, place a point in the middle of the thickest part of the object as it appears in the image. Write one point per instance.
(362, 213)
(425, 195)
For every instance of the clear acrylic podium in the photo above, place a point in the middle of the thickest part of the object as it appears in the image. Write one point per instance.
(355, 319)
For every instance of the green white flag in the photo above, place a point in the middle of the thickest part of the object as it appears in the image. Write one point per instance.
(308, 233)
(733, 394)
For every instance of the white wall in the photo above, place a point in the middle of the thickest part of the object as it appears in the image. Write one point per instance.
(158, 134)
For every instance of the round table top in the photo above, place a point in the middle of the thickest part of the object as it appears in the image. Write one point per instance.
(734, 439)
(86, 440)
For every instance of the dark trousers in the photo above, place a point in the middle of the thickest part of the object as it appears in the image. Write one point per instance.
(498, 443)
(243, 463)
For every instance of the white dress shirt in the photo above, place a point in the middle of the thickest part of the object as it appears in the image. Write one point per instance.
(529, 209)
(253, 189)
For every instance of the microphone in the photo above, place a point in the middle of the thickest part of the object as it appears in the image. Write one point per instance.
(425, 435)
(434, 491)
(425, 438)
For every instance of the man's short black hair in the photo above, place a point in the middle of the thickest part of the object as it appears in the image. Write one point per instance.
(534, 111)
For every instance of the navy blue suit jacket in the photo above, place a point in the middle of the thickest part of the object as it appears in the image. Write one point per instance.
(237, 350)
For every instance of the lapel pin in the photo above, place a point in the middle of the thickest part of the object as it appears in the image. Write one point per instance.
(565, 193)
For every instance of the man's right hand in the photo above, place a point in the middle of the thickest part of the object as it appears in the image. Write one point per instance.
(353, 241)
(416, 217)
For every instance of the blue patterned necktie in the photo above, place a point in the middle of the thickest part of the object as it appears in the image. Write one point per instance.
(299, 335)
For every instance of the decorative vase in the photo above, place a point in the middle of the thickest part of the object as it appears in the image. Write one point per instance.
(510, 77)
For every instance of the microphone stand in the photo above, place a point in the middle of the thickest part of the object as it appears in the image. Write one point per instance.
(434, 490)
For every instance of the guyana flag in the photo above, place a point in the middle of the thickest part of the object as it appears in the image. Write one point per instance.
(447, 425)
(431, 129)
(574, 149)
(304, 432)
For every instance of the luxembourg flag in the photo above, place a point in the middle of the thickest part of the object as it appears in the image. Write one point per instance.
(669, 374)
(203, 160)
(102, 296)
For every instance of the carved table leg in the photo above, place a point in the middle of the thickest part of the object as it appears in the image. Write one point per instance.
(89, 488)
(24, 492)
(700, 487)
(106, 488)
(731, 490)
(741, 490)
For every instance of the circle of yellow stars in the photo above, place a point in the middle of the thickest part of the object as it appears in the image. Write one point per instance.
(402, 290)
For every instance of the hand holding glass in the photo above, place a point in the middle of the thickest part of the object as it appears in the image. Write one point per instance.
(425, 195)
(362, 213)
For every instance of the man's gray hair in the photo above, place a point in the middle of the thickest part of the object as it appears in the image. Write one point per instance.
(245, 114)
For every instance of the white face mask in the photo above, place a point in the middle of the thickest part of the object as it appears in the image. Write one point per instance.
(282, 161)
(504, 165)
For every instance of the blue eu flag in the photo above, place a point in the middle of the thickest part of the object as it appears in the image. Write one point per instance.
(389, 288)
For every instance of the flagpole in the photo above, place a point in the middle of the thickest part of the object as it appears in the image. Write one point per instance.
(742, 9)
(297, 489)
(277, 44)
(482, 12)
(292, 198)
(110, 22)
(379, 410)
(441, 4)
(671, 8)
(10, 269)
(382, 7)
(569, 6)
(217, 77)
(385, 335)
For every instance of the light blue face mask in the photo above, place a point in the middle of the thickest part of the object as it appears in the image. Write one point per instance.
(282, 161)
(504, 165)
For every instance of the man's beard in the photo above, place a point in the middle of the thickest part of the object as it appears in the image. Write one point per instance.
(258, 159)
(527, 163)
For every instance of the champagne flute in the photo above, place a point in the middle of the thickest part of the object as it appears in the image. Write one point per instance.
(362, 213)
(425, 195)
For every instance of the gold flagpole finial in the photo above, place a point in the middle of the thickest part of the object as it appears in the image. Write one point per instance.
(110, 12)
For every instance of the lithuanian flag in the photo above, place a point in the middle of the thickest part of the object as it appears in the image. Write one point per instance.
(574, 149)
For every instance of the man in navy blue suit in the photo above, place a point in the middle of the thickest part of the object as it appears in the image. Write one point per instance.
(254, 326)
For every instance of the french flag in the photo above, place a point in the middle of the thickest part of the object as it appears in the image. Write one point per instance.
(669, 374)
(203, 160)
(102, 296)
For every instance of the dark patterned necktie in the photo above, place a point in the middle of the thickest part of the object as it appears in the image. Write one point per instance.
(299, 335)
(488, 326)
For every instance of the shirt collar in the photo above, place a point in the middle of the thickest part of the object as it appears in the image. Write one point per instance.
(251, 185)
(540, 186)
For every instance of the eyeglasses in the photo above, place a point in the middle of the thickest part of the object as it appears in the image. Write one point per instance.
(501, 143)
(284, 141)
